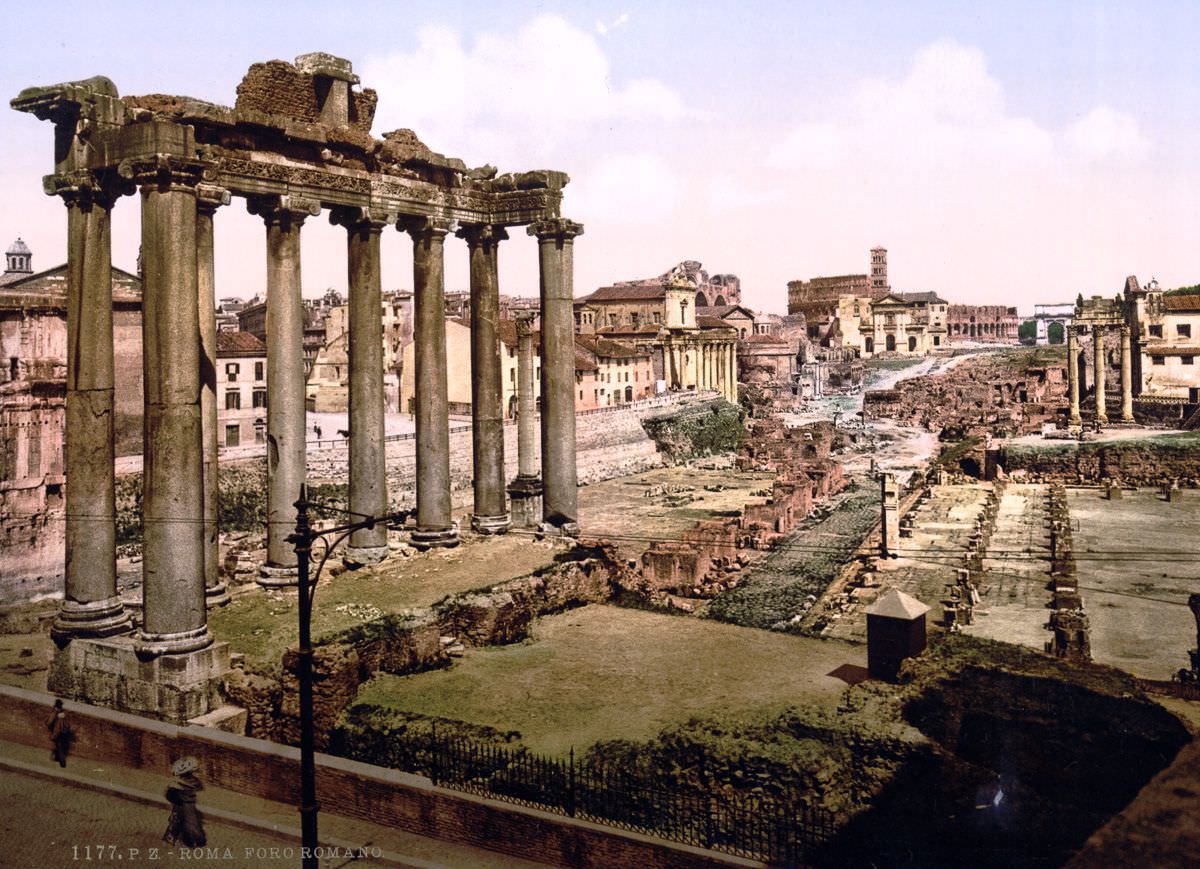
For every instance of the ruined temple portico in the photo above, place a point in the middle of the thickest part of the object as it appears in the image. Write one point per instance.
(296, 142)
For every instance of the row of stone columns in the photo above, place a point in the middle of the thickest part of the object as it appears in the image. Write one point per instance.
(1098, 363)
(180, 553)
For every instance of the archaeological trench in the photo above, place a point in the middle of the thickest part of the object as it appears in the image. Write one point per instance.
(1010, 741)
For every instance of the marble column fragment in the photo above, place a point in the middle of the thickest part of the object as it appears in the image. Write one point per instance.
(1074, 418)
(91, 606)
(208, 199)
(490, 512)
(1126, 375)
(435, 526)
(173, 600)
(560, 498)
(368, 466)
(284, 216)
(1098, 351)
(525, 491)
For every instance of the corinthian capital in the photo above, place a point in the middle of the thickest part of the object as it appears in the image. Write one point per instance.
(83, 188)
(162, 171)
(357, 217)
(210, 197)
(555, 229)
(482, 233)
(291, 210)
(424, 228)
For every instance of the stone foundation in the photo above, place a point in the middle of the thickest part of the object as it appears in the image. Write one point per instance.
(108, 672)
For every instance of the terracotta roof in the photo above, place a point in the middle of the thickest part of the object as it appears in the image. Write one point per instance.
(602, 346)
(239, 344)
(763, 339)
(712, 323)
(895, 604)
(643, 329)
(721, 311)
(1189, 302)
(927, 298)
(584, 361)
(1171, 350)
(623, 293)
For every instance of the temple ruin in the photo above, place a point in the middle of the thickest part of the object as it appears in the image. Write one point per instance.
(296, 142)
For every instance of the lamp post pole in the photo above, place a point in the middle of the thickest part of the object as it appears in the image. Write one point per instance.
(303, 539)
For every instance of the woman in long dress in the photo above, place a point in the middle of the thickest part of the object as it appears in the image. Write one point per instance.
(186, 824)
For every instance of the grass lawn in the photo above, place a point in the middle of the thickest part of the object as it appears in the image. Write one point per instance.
(262, 624)
(604, 672)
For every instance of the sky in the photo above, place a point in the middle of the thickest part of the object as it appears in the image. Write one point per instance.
(1017, 154)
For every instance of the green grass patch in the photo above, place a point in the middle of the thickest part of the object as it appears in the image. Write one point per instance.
(602, 673)
(262, 624)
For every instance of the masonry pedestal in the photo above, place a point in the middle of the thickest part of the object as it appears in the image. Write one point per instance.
(525, 502)
(109, 672)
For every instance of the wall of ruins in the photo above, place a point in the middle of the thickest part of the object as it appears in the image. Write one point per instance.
(990, 323)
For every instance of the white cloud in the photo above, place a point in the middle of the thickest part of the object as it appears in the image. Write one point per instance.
(1105, 135)
(604, 29)
(638, 186)
(727, 191)
(948, 113)
(512, 98)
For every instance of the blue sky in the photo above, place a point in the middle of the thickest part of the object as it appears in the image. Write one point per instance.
(1016, 154)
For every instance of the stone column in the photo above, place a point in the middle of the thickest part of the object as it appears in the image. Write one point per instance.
(490, 512)
(173, 598)
(434, 524)
(525, 491)
(889, 525)
(368, 460)
(1074, 418)
(91, 606)
(283, 215)
(560, 499)
(1098, 351)
(1126, 376)
(208, 199)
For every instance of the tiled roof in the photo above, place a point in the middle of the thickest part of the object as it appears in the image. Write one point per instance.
(895, 604)
(763, 339)
(635, 292)
(239, 344)
(927, 298)
(602, 346)
(1189, 302)
(721, 311)
(584, 361)
(712, 323)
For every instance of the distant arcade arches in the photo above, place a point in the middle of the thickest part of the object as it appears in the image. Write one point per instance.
(701, 300)
(719, 301)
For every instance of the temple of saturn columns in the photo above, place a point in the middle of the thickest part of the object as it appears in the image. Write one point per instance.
(296, 142)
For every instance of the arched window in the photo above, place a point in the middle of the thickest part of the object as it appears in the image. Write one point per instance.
(890, 343)
(912, 343)
(629, 393)
(870, 345)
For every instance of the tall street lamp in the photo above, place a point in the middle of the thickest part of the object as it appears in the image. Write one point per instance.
(302, 539)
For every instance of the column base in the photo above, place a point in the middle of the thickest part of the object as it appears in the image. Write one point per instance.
(525, 502)
(109, 672)
(491, 524)
(566, 529)
(101, 618)
(271, 576)
(428, 538)
(216, 595)
(363, 556)
(148, 645)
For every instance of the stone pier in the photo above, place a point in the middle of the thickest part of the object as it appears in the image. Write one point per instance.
(91, 607)
(284, 216)
(1126, 375)
(490, 513)
(1098, 362)
(560, 498)
(368, 472)
(525, 491)
(1074, 420)
(434, 524)
(889, 525)
(208, 200)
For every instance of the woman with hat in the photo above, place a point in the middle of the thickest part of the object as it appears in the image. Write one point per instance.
(185, 825)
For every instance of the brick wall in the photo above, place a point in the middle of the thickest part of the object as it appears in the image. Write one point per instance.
(348, 788)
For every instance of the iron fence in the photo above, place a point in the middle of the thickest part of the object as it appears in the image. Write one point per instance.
(760, 827)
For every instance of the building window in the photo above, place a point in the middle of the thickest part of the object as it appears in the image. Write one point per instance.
(937, 340)
(233, 399)
(260, 371)
(1155, 331)
(1184, 330)
(260, 432)
(231, 371)
(1158, 360)
(260, 398)
(232, 435)
(1187, 360)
